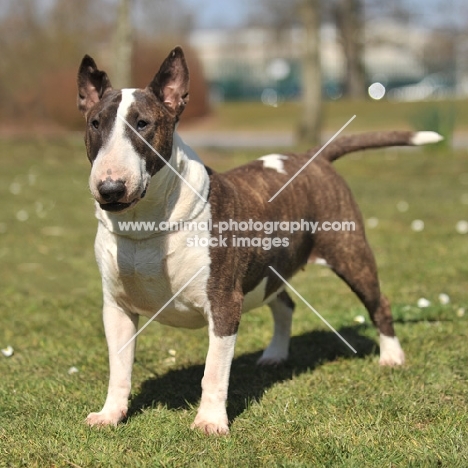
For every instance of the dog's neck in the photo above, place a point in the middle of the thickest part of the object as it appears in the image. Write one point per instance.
(169, 198)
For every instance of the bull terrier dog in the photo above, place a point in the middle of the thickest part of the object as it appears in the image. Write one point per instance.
(142, 172)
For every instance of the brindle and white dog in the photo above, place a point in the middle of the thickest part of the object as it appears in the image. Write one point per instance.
(142, 270)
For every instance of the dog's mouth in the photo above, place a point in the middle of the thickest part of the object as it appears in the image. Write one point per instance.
(117, 207)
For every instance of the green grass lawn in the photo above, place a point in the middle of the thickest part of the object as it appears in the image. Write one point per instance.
(371, 115)
(325, 407)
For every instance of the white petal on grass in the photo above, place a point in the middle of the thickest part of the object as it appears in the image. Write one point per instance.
(28, 267)
(460, 312)
(372, 223)
(54, 231)
(423, 302)
(462, 227)
(73, 370)
(15, 188)
(22, 215)
(172, 352)
(402, 206)
(444, 298)
(417, 225)
(376, 91)
(359, 319)
(8, 351)
(39, 207)
(463, 178)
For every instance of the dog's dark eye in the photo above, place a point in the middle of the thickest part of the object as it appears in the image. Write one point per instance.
(141, 124)
(95, 123)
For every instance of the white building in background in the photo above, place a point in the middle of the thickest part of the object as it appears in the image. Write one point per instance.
(241, 61)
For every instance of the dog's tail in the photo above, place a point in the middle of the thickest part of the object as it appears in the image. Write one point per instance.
(351, 143)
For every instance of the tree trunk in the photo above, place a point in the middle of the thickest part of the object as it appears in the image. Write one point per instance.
(350, 24)
(122, 44)
(309, 128)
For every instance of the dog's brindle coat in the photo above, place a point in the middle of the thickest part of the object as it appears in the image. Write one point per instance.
(142, 270)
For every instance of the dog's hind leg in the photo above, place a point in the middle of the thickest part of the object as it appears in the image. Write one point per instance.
(353, 261)
(282, 307)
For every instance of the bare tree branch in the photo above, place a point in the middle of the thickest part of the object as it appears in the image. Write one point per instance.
(309, 129)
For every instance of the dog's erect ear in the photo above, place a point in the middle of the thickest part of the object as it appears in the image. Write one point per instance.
(171, 83)
(92, 84)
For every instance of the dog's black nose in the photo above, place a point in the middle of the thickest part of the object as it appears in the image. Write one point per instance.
(112, 191)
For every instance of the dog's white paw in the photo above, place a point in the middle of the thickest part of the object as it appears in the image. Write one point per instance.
(391, 353)
(106, 418)
(274, 355)
(211, 427)
(266, 360)
(392, 361)
(211, 422)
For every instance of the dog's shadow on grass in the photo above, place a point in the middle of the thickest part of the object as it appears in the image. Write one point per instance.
(180, 388)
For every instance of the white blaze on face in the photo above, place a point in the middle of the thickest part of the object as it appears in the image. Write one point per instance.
(118, 158)
(275, 162)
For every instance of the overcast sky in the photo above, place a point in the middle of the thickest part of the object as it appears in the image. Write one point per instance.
(231, 13)
(219, 13)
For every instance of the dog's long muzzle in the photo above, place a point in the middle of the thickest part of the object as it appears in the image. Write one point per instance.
(112, 192)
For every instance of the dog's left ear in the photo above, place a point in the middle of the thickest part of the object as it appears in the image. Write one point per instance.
(171, 83)
(92, 84)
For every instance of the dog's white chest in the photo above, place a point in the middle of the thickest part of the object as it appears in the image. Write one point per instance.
(143, 276)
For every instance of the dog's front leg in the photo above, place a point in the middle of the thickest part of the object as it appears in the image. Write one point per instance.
(212, 416)
(120, 327)
(223, 322)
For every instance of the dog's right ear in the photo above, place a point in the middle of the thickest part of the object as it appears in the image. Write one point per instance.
(171, 83)
(92, 84)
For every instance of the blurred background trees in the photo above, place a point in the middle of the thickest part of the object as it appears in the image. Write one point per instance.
(349, 17)
(41, 49)
(309, 130)
(39, 55)
(122, 45)
(274, 51)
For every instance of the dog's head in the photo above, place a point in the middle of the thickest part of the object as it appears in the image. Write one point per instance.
(129, 132)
